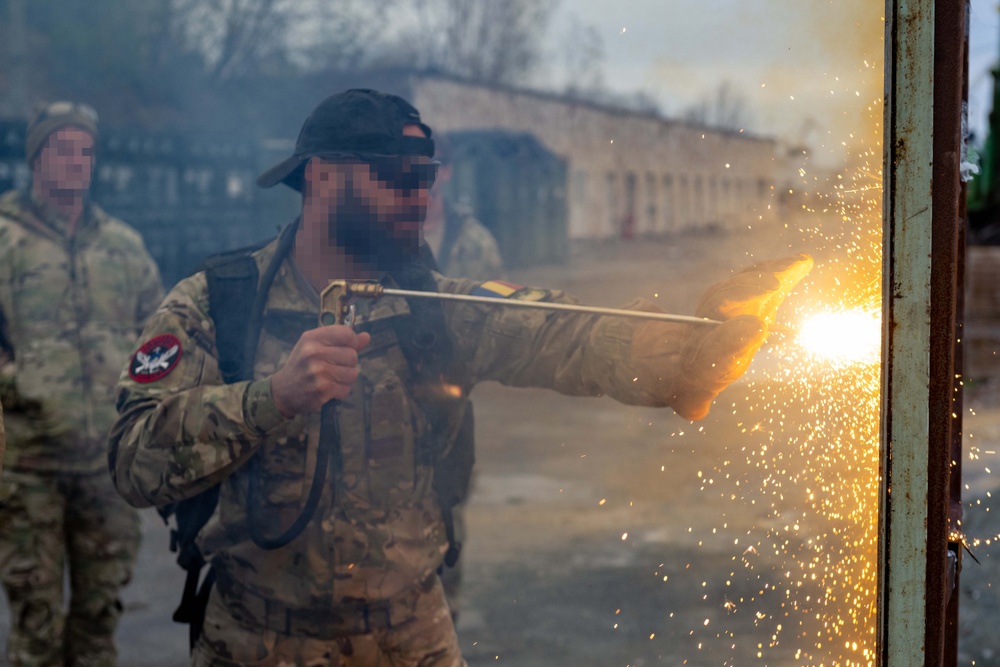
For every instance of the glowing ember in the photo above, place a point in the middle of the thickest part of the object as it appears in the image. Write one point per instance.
(850, 336)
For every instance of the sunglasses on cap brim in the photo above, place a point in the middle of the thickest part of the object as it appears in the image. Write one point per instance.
(397, 172)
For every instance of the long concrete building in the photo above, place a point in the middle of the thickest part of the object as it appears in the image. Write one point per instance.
(629, 173)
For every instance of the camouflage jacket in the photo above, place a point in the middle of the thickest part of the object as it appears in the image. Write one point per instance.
(468, 249)
(70, 309)
(378, 529)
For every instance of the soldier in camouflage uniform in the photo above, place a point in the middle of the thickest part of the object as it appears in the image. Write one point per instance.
(358, 587)
(76, 286)
(462, 246)
(466, 248)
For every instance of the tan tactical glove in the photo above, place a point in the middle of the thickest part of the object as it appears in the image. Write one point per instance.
(689, 364)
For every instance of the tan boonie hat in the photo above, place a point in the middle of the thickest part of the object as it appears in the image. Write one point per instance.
(49, 117)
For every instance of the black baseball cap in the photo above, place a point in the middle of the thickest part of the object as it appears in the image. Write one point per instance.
(359, 123)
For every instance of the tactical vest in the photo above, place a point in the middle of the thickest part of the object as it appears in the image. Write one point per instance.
(236, 288)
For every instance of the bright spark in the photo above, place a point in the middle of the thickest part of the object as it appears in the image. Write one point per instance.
(805, 460)
(849, 336)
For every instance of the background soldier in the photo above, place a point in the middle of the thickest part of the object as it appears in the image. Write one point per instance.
(356, 586)
(75, 288)
(462, 246)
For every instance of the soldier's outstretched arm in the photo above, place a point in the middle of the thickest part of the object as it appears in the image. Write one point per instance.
(180, 430)
(684, 366)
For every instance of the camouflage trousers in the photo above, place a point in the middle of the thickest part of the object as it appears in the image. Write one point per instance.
(425, 639)
(50, 523)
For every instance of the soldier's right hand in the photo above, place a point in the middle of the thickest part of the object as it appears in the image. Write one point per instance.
(322, 367)
(689, 365)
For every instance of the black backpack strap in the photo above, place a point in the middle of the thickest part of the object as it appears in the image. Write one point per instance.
(237, 295)
(232, 288)
(197, 619)
(190, 519)
(454, 544)
(453, 474)
(6, 347)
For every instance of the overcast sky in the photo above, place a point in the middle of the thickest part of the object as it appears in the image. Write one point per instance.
(984, 47)
(809, 68)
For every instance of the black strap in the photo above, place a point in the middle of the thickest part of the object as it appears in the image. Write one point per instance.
(232, 286)
(6, 347)
(232, 280)
(197, 621)
(454, 545)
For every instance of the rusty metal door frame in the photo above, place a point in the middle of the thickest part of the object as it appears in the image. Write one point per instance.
(923, 258)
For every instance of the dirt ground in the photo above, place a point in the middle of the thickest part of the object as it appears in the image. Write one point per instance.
(608, 535)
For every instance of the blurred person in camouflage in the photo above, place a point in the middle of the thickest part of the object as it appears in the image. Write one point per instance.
(343, 572)
(76, 286)
(463, 248)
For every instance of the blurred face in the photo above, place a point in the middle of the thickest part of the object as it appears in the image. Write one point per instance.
(66, 162)
(373, 210)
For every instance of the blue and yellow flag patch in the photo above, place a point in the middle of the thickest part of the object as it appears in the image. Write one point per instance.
(498, 289)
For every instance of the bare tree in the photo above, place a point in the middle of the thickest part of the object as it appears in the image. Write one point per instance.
(170, 56)
(582, 55)
(236, 37)
(341, 35)
(725, 108)
(495, 41)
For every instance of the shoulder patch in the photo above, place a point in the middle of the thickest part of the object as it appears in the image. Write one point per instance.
(496, 288)
(155, 359)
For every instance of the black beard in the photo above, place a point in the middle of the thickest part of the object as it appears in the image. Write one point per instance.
(367, 237)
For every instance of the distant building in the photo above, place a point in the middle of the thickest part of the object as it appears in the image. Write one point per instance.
(629, 173)
(611, 173)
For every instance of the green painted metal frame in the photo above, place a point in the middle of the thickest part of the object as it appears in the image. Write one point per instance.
(907, 212)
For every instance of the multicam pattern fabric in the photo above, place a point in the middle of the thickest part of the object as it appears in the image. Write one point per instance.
(49, 520)
(424, 629)
(468, 249)
(70, 309)
(378, 530)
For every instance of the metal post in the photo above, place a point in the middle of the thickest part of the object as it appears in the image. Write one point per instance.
(924, 75)
(955, 532)
(945, 417)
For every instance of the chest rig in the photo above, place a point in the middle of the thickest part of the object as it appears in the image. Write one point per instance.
(445, 443)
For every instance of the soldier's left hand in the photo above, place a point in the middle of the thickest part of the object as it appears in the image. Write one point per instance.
(687, 366)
